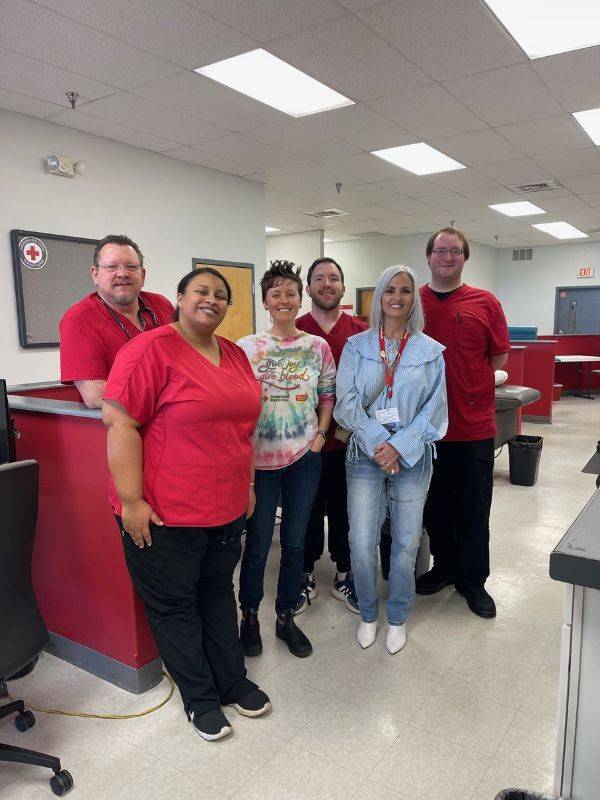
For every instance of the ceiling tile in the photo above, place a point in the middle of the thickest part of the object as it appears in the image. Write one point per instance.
(22, 104)
(238, 147)
(143, 115)
(194, 156)
(511, 173)
(476, 147)
(452, 201)
(361, 126)
(409, 205)
(201, 97)
(369, 193)
(592, 200)
(428, 112)
(25, 75)
(412, 186)
(583, 184)
(575, 162)
(364, 167)
(548, 135)
(347, 56)
(168, 28)
(268, 19)
(468, 40)
(502, 96)
(460, 179)
(573, 77)
(301, 139)
(562, 204)
(110, 130)
(68, 44)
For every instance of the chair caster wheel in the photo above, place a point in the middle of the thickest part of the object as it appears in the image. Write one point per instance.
(24, 721)
(61, 783)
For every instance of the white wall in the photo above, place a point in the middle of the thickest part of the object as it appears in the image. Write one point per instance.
(363, 261)
(527, 288)
(175, 211)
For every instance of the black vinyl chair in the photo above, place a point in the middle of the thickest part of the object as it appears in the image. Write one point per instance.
(23, 634)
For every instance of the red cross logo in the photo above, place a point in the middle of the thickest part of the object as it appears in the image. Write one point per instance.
(32, 252)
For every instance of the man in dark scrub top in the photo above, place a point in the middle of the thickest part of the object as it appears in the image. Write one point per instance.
(325, 287)
(93, 330)
(471, 324)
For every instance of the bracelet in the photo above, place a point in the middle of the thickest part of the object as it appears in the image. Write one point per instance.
(323, 434)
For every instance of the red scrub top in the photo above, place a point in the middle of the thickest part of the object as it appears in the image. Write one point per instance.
(91, 337)
(337, 337)
(471, 324)
(197, 423)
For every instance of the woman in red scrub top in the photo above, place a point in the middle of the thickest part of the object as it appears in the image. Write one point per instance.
(181, 405)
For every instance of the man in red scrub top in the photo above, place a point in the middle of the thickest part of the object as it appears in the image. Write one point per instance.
(325, 287)
(471, 324)
(94, 329)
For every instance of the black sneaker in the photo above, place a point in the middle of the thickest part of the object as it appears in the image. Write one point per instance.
(211, 725)
(479, 601)
(433, 581)
(250, 633)
(344, 590)
(297, 642)
(254, 704)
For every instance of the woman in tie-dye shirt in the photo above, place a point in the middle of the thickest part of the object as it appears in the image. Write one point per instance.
(297, 375)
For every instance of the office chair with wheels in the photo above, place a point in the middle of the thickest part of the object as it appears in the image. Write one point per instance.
(23, 634)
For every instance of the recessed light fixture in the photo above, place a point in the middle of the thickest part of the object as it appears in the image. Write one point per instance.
(524, 209)
(270, 80)
(268, 229)
(546, 27)
(327, 241)
(419, 158)
(590, 122)
(561, 230)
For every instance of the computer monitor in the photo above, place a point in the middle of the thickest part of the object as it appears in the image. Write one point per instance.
(7, 438)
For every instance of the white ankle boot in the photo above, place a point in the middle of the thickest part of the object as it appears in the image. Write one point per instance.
(396, 638)
(366, 633)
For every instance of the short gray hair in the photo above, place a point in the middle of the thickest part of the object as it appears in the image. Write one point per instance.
(416, 318)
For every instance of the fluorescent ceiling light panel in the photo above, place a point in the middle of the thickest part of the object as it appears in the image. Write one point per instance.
(524, 209)
(268, 229)
(590, 122)
(420, 159)
(545, 27)
(270, 80)
(561, 230)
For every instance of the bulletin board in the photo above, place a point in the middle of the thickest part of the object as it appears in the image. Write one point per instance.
(51, 273)
(240, 318)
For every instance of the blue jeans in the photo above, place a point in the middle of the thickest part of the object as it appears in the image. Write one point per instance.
(369, 490)
(297, 485)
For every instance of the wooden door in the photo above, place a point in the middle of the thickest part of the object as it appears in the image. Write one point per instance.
(240, 320)
(364, 301)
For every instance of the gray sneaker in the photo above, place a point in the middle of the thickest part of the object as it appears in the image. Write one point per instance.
(344, 590)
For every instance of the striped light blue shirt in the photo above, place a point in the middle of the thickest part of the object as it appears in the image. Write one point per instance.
(419, 393)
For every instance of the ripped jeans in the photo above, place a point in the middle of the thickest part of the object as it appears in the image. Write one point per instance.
(370, 489)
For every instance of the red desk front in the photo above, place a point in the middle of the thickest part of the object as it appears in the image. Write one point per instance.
(81, 582)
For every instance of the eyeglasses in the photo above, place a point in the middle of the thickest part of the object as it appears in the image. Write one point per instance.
(114, 267)
(443, 251)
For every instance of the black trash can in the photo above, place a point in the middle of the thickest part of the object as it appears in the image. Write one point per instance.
(524, 459)
(523, 794)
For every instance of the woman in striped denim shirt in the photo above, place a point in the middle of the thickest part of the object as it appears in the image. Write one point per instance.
(391, 394)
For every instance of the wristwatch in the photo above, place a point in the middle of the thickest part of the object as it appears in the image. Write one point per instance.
(323, 434)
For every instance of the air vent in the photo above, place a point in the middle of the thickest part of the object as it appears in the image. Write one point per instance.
(544, 186)
(524, 254)
(368, 234)
(328, 213)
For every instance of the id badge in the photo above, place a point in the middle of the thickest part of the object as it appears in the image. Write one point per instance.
(387, 415)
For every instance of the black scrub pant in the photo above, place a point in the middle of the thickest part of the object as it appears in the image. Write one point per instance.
(331, 500)
(457, 510)
(185, 580)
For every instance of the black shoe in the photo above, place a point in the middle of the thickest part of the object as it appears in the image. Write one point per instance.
(479, 601)
(254, 704)
(211, 725)
(433, 581)
(297, 642)
(250, 633)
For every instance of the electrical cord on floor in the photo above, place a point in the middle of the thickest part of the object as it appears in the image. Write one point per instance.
(108, 716)
(499, 452)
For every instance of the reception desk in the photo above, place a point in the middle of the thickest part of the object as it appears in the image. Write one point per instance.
(91, 610)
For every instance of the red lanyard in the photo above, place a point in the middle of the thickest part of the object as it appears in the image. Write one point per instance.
(390, 369)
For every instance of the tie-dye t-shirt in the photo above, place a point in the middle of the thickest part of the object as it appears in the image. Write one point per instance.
(297, 374)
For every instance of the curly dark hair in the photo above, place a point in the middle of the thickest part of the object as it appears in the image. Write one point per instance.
(278, 272)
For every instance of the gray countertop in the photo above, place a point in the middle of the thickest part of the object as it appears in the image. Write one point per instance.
(41, 405)
(29, 387)
(576, 558)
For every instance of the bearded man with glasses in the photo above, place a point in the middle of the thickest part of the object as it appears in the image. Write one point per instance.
(471, 324)
(93, 330)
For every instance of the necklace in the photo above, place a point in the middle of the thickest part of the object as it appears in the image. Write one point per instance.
(214, 345)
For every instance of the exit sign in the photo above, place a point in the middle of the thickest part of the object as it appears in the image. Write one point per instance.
(585, 272)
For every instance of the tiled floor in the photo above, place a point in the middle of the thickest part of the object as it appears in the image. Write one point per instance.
(466, 709)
